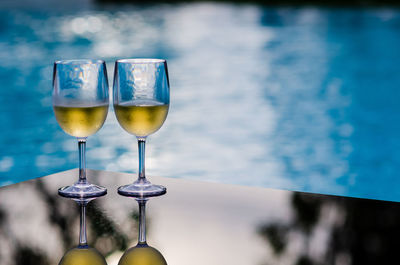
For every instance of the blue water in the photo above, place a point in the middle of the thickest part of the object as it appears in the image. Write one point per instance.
(292, 98)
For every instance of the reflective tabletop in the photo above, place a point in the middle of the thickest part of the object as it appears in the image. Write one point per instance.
(198, 223)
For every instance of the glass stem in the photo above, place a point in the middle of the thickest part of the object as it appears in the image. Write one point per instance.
(82, 159)
(82, 231)
(142, 221)
(141, 145)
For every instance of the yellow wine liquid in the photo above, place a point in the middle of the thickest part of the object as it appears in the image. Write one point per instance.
(81, 121)
(83, 256)
(142, 255)
(141, 118)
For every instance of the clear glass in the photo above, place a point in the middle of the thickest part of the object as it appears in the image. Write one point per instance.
(142, 253)
(80, 103)
(141, 103)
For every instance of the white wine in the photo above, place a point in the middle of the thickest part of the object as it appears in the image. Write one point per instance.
(82, 256)
(81, 121)
(141, 117)
(142, 255)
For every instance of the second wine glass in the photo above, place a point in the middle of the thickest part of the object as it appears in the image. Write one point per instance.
(141, 103)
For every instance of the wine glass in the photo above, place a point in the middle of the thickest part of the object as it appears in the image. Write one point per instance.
(82, 254)
(142, 254)
(141, 102)
(80, 103)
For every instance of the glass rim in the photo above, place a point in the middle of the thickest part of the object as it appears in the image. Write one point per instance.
(78, 61)
(141, 61)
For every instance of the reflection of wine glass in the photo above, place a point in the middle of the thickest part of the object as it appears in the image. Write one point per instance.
(141, 102)
(82, 254)
(80, 102)
(142, 254)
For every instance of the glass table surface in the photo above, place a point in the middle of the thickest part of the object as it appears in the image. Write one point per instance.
(198, 223)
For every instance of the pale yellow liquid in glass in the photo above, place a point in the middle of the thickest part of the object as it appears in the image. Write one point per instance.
(81, 121)
(142, 256)
(83, 256)
(141, 118)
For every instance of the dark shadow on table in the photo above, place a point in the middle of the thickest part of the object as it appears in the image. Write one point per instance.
(359, 231)
(104, 233)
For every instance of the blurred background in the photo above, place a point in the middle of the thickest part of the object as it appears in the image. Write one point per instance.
(298, 97)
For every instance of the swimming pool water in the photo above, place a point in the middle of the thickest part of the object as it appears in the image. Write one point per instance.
(293, 98)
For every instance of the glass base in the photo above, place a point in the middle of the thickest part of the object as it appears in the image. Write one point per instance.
(142, 189)
(82, 191)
